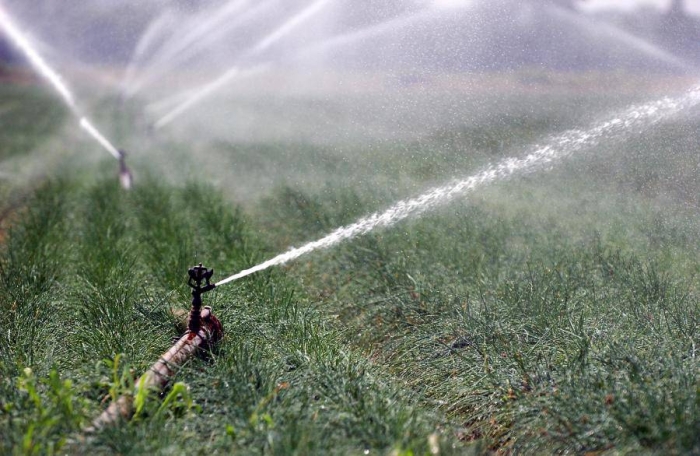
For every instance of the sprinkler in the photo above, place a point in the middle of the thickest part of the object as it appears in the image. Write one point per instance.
(125, 176)
(199, 274)
(204, 330)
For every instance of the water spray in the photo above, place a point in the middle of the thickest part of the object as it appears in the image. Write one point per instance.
(55, 80)
(232, 73)
(555, 150)
(191, 97)
(200, 38)
(204, 331)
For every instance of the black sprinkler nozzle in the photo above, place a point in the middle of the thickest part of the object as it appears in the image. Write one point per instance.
(200, 283)
(198, 274)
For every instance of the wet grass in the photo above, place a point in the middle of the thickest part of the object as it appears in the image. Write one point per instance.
(89, 277)
(557, 313)
(533, 342)
(27, 116)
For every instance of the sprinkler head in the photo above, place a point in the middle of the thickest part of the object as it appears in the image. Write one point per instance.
(198, 274)
(125, 176)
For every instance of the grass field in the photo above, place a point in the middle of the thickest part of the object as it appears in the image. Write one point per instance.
(555, 313)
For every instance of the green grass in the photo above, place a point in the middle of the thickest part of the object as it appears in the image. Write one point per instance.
(26, 116)
(555, 313)
(91, 272)
(567, 347)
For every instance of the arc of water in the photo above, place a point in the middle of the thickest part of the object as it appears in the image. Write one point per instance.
(154, 30)
(594, 28)
(556, 149)
(204, 24)
(186, 99)
(345, 39)
(263, 45)
(186, 49)
(289, 26)
(48, 73)
(230, 75)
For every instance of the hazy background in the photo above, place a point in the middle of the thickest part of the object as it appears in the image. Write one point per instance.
(369, 83)
(108, 31)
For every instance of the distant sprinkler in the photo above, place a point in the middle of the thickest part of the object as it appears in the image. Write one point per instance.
(125, 177)
(37, 61)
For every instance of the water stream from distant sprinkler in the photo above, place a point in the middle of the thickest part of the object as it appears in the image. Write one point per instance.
(205, 24)
(54, 79)
(557, 148)
(186, 99)
(153, 31)
(602, 29)
(371, 31)
(205, 91)
(263, 45)
(203, 36)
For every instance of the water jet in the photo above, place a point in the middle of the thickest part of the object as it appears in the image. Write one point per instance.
(56, 81)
